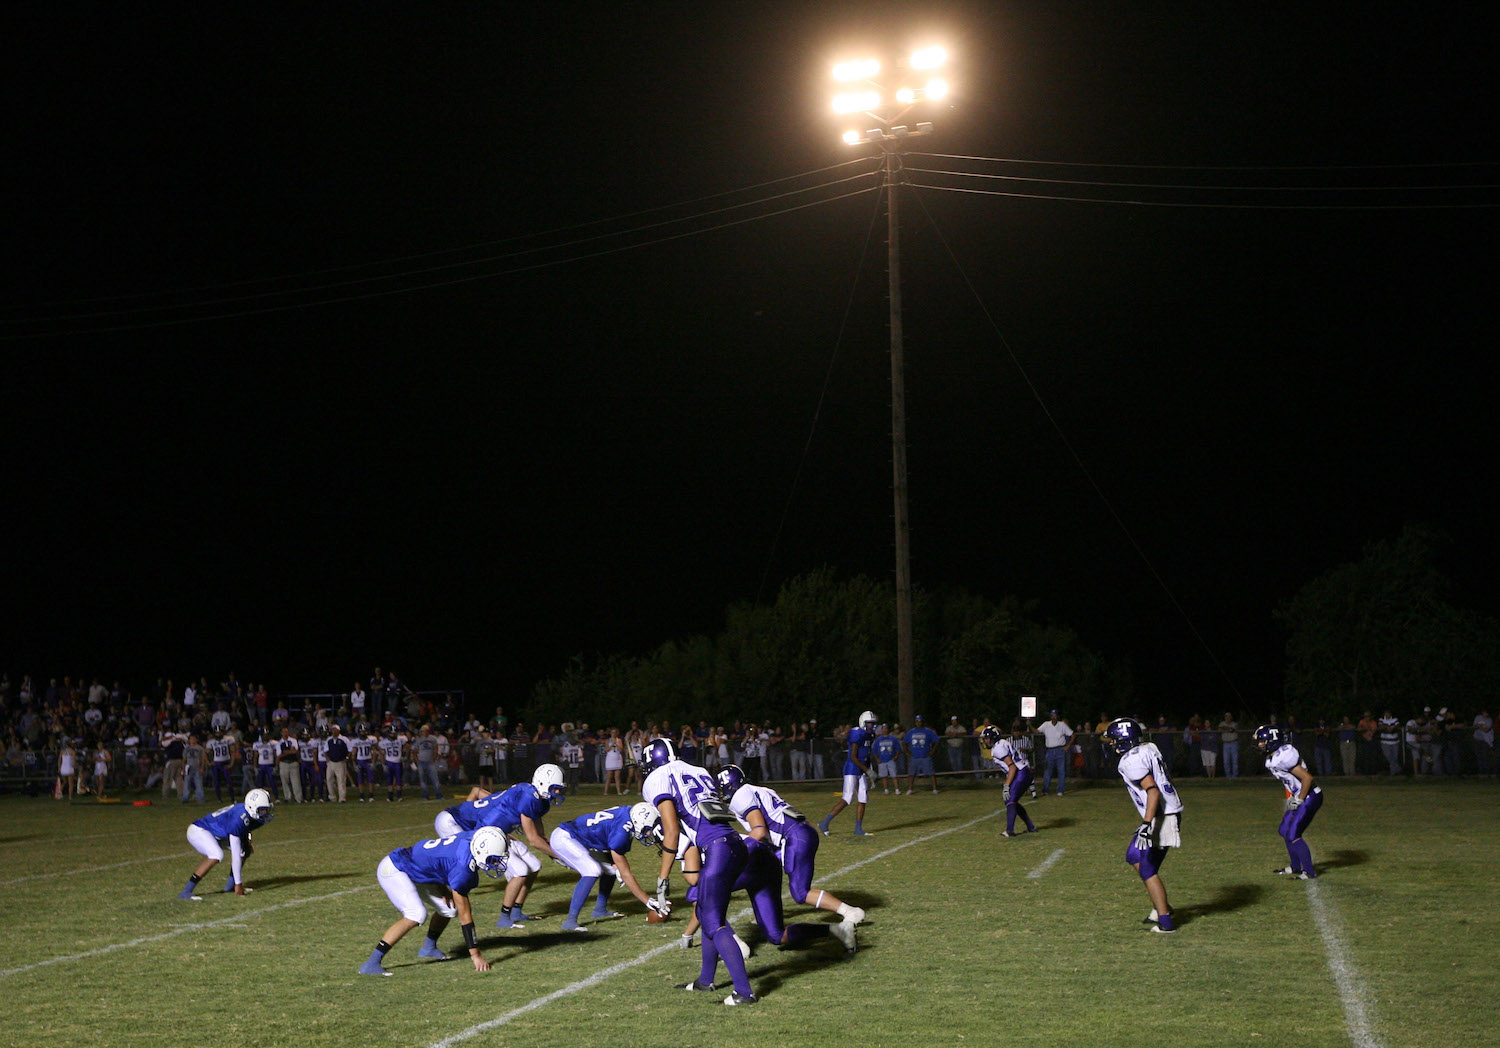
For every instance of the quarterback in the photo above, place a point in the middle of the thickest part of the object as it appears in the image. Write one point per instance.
(1145, 776)
(1303, 799)
(856, 775)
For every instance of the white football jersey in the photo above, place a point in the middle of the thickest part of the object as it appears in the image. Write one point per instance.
(692, 790)
(777, 812)
(1140, 762)
(1006, 749)
(265, 753)
(392, 748)
(1280, 764)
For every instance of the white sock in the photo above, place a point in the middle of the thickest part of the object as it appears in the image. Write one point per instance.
(845, 910)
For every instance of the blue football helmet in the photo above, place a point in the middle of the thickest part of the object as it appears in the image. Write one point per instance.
(657, 753)
(730, 778)
(1269, 738)
(1124, 734)
(989, 735)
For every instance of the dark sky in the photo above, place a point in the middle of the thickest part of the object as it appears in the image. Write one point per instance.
(473, 481)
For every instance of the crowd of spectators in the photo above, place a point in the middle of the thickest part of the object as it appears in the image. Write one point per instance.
(107, 738)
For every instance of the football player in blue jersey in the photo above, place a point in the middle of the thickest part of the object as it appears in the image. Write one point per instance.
(688, 802)
(1160, 808)
(594, 846)
(856, 776)
(520, 807)
(446, 870)
(1007, 757)
(231, 827)
(1303, 799)
(768, 817)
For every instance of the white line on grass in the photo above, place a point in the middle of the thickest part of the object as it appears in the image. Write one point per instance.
(1046, 865)
(181, 854)
(607, 973)
(1358, 1015)
(237, 918)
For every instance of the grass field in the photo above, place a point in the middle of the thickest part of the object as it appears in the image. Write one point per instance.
(971, 938)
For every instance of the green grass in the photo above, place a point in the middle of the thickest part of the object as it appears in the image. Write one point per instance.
(960, 945)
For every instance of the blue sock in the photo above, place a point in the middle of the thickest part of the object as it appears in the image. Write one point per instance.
(729, 953)
(1010, 817)
(710, 964)
(859, 826)
(1164, 921)
(1304, 855)
(581, 895)
(606, 885)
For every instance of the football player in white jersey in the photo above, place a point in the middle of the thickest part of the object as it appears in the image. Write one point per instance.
(1009, 760)
(1303, 799)
(1160, 807)
(688, 801)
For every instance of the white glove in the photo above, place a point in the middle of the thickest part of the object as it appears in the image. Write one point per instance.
(1293, 803)
(663, 889)
(684, 942)
(663, 908)
(1005, 794)
(1143, 836)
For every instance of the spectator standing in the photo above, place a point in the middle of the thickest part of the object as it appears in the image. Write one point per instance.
(338, 764)
(484, 754)
(1192, 739)
(572, 762)
(1229, 740)
(885, 751)
(614, 761)
(687, 745)
(1390, 741)
(797, 749)
(920, 743)
(424, 749)
(814, 751)
(289, 767)
(1323, 749)
(753, 748)
(1369, 744)
(377, 696)
(67, 772)
(193, 758)
(774, 758)
(172, 745)
(1452, 743)
(1348, 744)
(1484, 742)
(1056, 735)
(956, 734)
(358, 700)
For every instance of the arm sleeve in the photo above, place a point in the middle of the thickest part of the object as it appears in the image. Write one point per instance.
(236, 857)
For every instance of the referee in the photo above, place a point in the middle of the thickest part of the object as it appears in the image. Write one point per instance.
(1057, 735)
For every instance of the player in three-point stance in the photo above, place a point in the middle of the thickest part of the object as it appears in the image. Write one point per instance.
(1008, 758)
(768, 817)
(856, 776)
(229, 827)
(605, 833)
(517, 808)
(1303, 799)
(446, 870)
(689, 805)
(1160, 808)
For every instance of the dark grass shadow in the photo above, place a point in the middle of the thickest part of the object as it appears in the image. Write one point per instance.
(1054, 824)
(1230, 898)
(886, 827)
(532, 940)
(272, 883)
(1342, 858)
(22, 837)
(772, 968)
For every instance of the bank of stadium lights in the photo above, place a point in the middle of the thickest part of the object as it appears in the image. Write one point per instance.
(864, 94)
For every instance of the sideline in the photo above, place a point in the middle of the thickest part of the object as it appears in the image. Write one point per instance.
(189, 852)
(1358, 1016)
(607, 973)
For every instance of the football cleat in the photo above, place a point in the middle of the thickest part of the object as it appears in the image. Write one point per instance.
(695, 985)
(738, 998)
(823, 825)
(186, 895)
(1305, 876)
(1006, 833)
(606, 915)
(505, 921)
(844, 933)
(372, 967)
(433, 952)
(1159, 930)
(570, 924)
(1284, 871)
(855, 916)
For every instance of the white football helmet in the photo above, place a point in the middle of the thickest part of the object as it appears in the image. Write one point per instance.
(548, 781)
(867, 720)
(645, 823)
(489, 849)
(258, 805)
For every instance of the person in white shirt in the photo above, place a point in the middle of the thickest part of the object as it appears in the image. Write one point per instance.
(1160, 809)
(1056, 734)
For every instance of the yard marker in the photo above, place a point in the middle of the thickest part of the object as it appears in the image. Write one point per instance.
(1357, 1015)
(607, 973)
(1046, 865)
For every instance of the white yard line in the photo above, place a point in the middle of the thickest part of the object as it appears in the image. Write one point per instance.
(607, 973)
(183, 854)
(1046, 865)
(1358, 1015)
(237, 918)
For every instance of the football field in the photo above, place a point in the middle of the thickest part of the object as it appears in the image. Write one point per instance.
(970, 938)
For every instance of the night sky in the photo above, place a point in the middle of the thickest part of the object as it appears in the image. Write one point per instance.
(284, 393)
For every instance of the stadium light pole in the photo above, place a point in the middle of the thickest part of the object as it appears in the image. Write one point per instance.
(867, 97)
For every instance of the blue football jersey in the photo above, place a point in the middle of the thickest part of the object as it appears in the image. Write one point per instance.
(233, 821)
(444, 861)
(502, 810)
(859, 741)
(607, 830)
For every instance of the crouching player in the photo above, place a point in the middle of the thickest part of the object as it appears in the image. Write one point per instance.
(768, 817)
(1009, 759)
(519, 807)
(229, 827)
(1303, 799)
(446, 870)
(1160, 808)
(608, 832)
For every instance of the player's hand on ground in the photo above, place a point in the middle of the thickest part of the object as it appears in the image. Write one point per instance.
(239, 889)
(480, 964)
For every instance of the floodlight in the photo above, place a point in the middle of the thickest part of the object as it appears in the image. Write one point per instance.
(936, 88)
(906, 96)
(857, 101)
(928, 58)
(863, 69)
(854, 138)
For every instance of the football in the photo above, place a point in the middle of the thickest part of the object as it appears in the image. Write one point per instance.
(652, 917)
